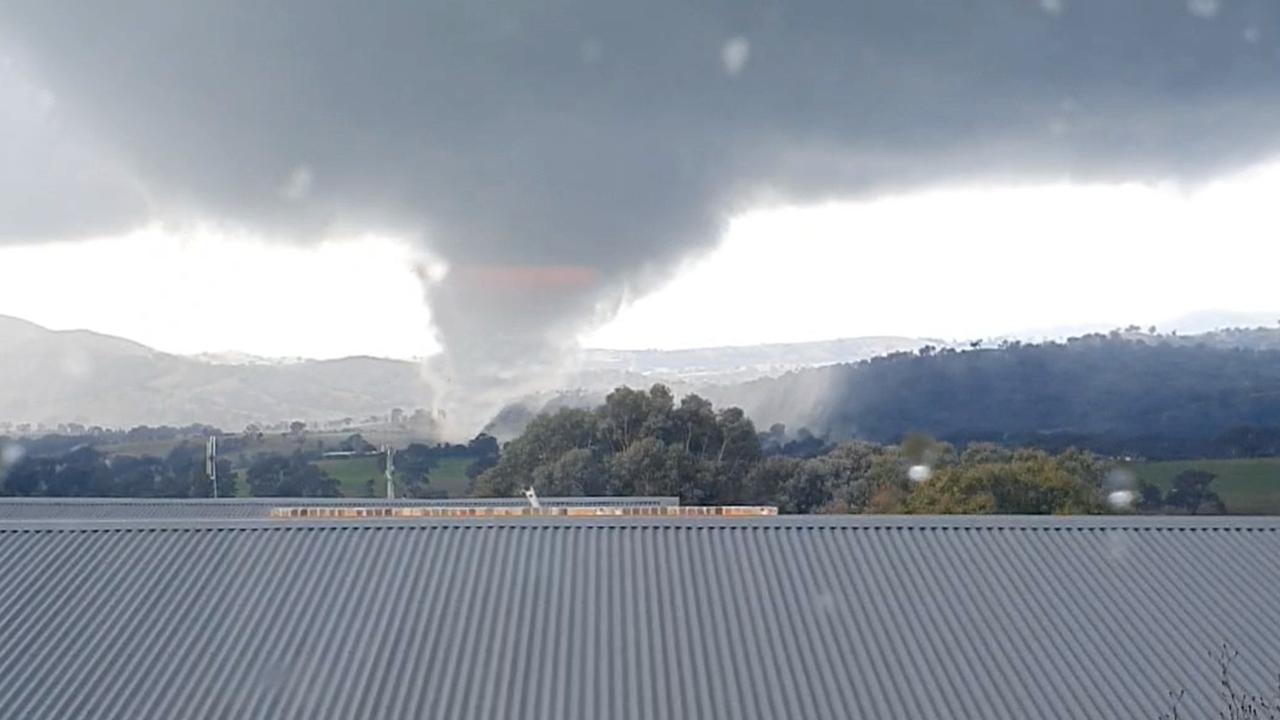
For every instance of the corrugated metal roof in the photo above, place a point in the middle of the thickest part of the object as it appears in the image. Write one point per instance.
(45, 508)
(782, 617)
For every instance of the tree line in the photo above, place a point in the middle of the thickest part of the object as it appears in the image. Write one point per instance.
(647, 443)
(88, 472)
(45, 467)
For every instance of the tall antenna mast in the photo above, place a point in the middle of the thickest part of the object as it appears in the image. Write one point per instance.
(391, 468)
(211, 462)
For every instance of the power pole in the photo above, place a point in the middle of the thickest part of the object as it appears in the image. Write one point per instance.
(391, 467)
(211, 462)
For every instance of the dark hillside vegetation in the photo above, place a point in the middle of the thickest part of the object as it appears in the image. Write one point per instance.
(1108, 393)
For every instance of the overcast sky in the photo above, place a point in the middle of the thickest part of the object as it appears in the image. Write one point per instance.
(499, 179)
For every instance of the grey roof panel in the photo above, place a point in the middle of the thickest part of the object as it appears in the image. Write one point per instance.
(633, 618)
(46, 508)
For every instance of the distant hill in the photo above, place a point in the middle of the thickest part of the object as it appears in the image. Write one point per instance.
(731, 364)
(49, 376)
(700, 370)
(1100, 390)
(80, 376)
(1124, 383)
(1207, 321)
(1240, 338)
(234, 357)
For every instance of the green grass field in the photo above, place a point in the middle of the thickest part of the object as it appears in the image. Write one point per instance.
(450, 475)
(352, 474)
(1249, 486)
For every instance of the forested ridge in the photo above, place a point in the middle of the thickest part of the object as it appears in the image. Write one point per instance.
(1147, 397)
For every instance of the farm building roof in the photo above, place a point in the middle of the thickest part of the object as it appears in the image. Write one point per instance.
(46, 508)
(781, 617)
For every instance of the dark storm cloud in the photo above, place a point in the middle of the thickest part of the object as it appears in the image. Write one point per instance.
(55, 181)
(608, 139)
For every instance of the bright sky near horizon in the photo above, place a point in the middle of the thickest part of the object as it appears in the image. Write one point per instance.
(957, 264)
(968, 263)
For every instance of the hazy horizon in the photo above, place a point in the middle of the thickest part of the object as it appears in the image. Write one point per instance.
(1197, 322)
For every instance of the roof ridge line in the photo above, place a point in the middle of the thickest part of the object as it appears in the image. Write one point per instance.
(483, 523)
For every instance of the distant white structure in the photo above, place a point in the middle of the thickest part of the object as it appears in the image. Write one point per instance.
(391, 468)
(532, 495)
(351, 453)
(1121, 500)
(211, 462)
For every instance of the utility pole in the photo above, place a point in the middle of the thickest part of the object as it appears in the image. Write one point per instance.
(391, 467)
(211, 462)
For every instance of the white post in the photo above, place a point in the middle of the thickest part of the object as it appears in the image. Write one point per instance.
(211, 462)
(391, 466)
